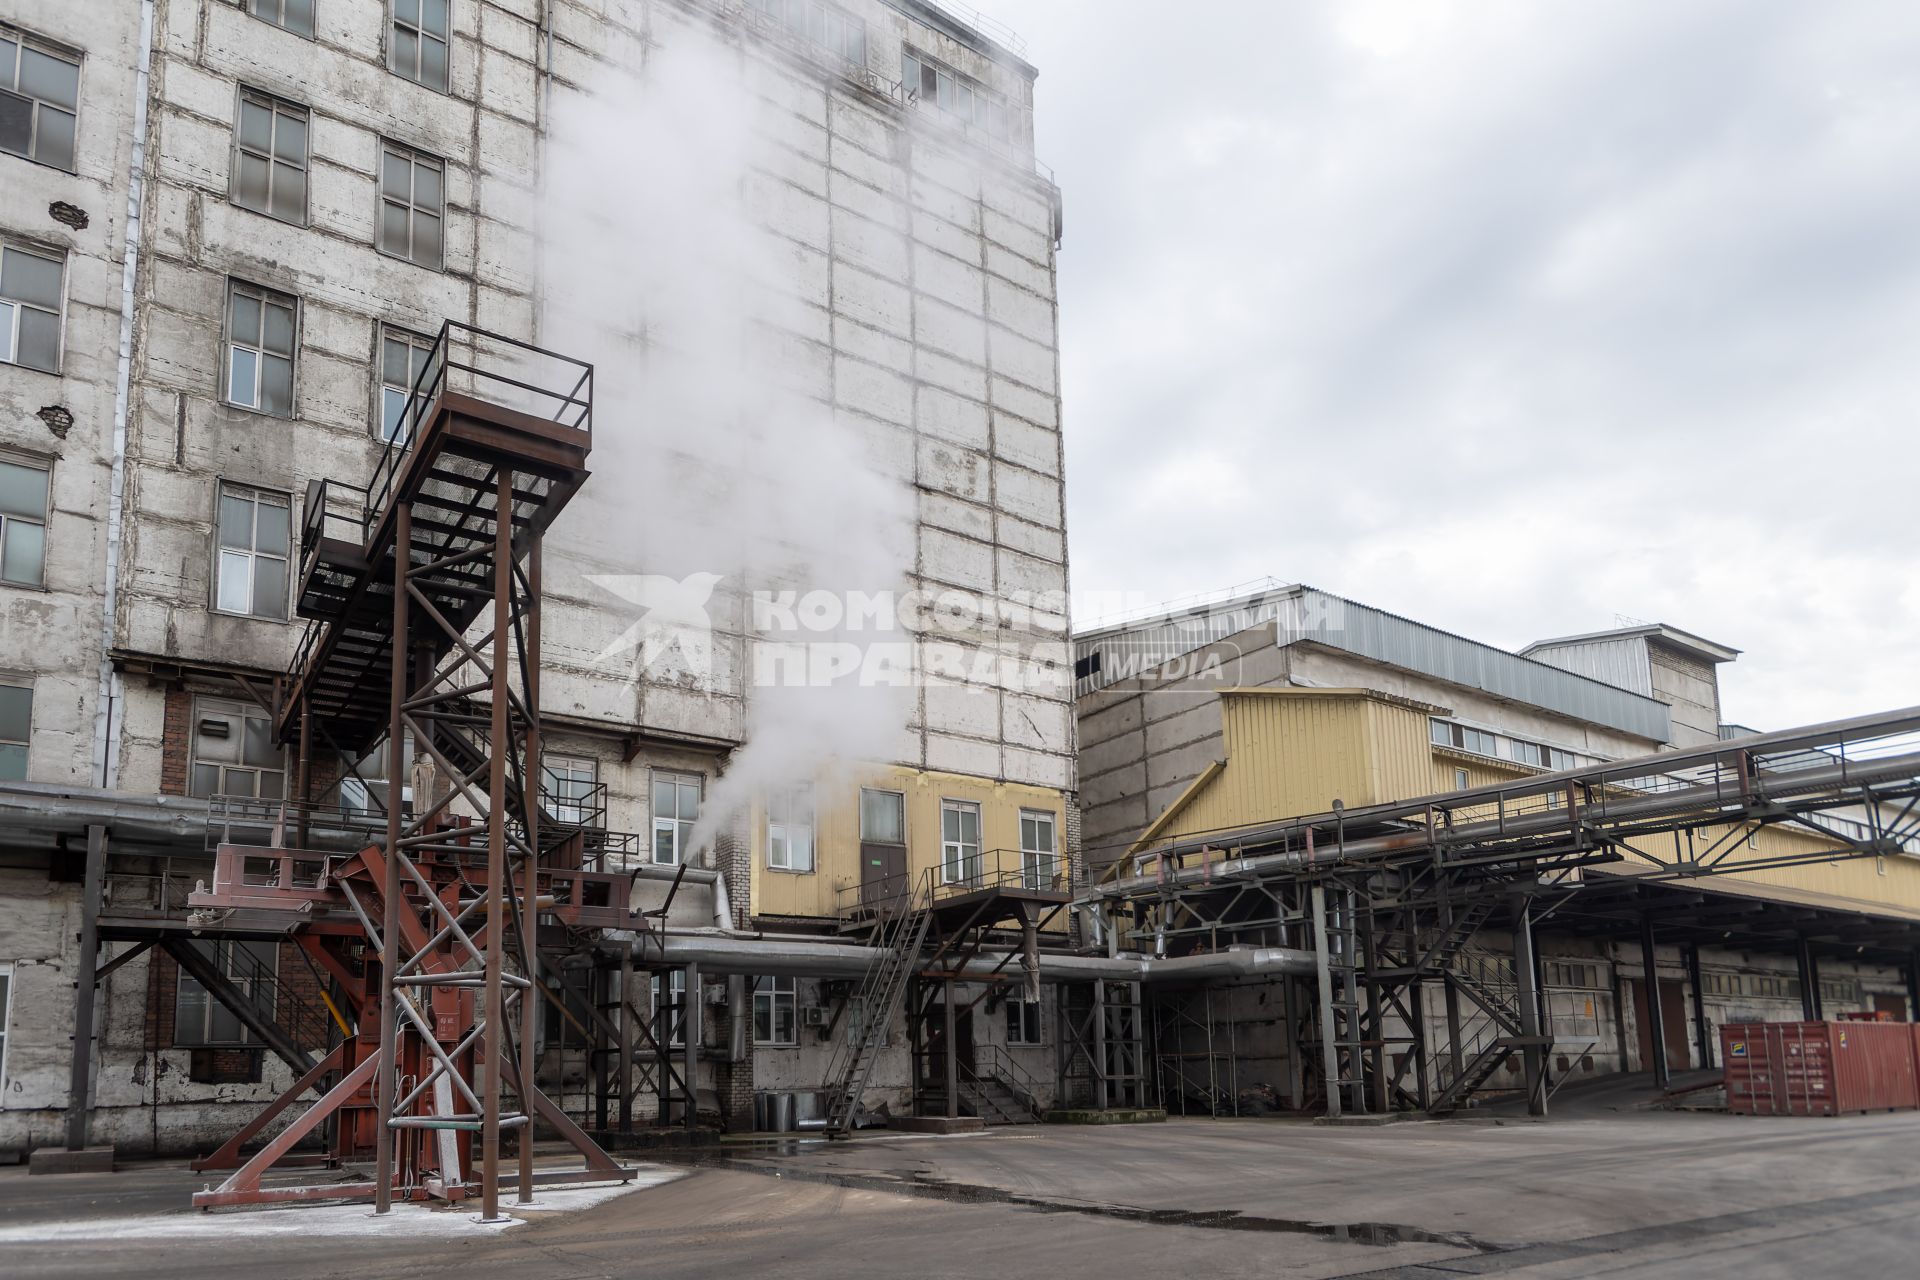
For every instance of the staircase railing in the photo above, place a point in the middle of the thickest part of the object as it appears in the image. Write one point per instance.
(993, 1063)
(898, 934)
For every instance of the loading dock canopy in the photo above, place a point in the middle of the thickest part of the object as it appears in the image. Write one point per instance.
(1723, 911)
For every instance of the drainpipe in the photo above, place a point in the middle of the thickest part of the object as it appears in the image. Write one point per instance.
(104, 730)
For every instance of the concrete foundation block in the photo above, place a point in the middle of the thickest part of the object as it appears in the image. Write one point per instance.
(939, 1124)
(1112, 1115)
(86, 1160)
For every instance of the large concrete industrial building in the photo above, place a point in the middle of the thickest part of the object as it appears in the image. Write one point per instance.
(232, 236)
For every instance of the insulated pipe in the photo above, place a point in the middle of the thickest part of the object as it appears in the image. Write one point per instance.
(783, 957)
(722, 904)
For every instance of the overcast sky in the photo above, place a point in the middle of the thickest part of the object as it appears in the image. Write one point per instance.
(1520, 319)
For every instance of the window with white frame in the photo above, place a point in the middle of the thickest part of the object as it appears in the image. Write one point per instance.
(202, 1022)
(6, 1017)
(883, 817)
(270, 157)
(676, 807)
(234, 753)
(775, 1011)
(1039, 856)
(959, 842)
(568, 783)
(418, 48)
(30, 296)
(790, 828)
(832, 29)
(39, 96)
(948, 93)
(295, 15)
(669, 1007)
(24, 492)
(260, 330)
(1023, 1022)
(250, 569)
(412, 205)
(403, 354)
(16, 727)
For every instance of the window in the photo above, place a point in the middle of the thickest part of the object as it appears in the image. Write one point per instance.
(30, 296)
(419, 47)
(412, 204)
(676, 806)
(16, 728)
(295, 15)
(39, 93)
(1023, 1022)
(24, 490)
(790, 829)
(569, 784)
(838, 33)
(774, 1017)
(669, 1008)
(403, 354)
(200, 1021)
(944, 90)
(270, 157)
(251, 565)
(260, 349)
(1461, 781)
(1039, 862)
(959, 842)
(6, 1016)
(1460, 737)
(1567, 973)
(883, 817)
(234, 753)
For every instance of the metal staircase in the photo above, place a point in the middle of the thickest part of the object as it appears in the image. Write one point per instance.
(898, 935)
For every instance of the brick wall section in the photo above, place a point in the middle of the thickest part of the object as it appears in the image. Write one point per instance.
(297, 987)
(1076, 864)
(733, 1081)
(176, 743)
(733, 858)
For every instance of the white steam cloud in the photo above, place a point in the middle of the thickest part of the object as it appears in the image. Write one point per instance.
(716, 449)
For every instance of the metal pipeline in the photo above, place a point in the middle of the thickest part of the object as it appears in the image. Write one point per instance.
(783, 956)
(722, 904)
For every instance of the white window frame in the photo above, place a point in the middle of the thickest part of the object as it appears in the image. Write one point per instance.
(274, 13)
(209, 1005)
(237, 713)
(10, 83)
(1016, 1014)
(25, 744)
(1038, 866)
(676, 827)
(769, 994)
(278, 110)
(957, 96)
(415, 160)
(676, 986)
(569, 806)
(900, 798)
(10, 336)
(251, 554)
(960, 861)
(255, 346)
(6, 1016)
(398, 22)
(417, 344)
(8, 522)
(785, 827)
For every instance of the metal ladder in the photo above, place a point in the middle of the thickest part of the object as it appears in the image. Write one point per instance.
(898, 936)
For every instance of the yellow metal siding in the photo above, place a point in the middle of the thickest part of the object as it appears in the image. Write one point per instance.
(818, 894)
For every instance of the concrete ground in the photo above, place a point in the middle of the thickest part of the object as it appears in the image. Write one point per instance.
(1598, 1192)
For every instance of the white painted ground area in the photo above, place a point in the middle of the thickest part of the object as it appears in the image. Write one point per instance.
(352, 1220)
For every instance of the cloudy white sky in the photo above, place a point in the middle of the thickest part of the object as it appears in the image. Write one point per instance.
(1516, 318)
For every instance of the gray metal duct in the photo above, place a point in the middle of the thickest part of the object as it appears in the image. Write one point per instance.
(788, 957)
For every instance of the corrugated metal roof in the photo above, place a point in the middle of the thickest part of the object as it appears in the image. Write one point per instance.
(1621, 661)
(1304, 614)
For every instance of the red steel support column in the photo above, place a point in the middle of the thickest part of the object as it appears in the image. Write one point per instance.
(383, 1083)
(497, 924)
(530, 880)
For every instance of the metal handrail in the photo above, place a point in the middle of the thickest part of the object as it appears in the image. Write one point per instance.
(1009, 1072)
(988, 869)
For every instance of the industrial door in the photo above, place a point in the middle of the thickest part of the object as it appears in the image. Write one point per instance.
(1894, 1007)
(1673, 1017)
(883, 873)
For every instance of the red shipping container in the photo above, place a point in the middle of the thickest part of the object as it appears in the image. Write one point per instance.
(1820, 1068)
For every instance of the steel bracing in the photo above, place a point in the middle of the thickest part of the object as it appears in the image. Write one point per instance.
(1410, 1011)
(423, 595)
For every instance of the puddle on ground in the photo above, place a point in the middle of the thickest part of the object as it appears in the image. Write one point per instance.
(930, 1185)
